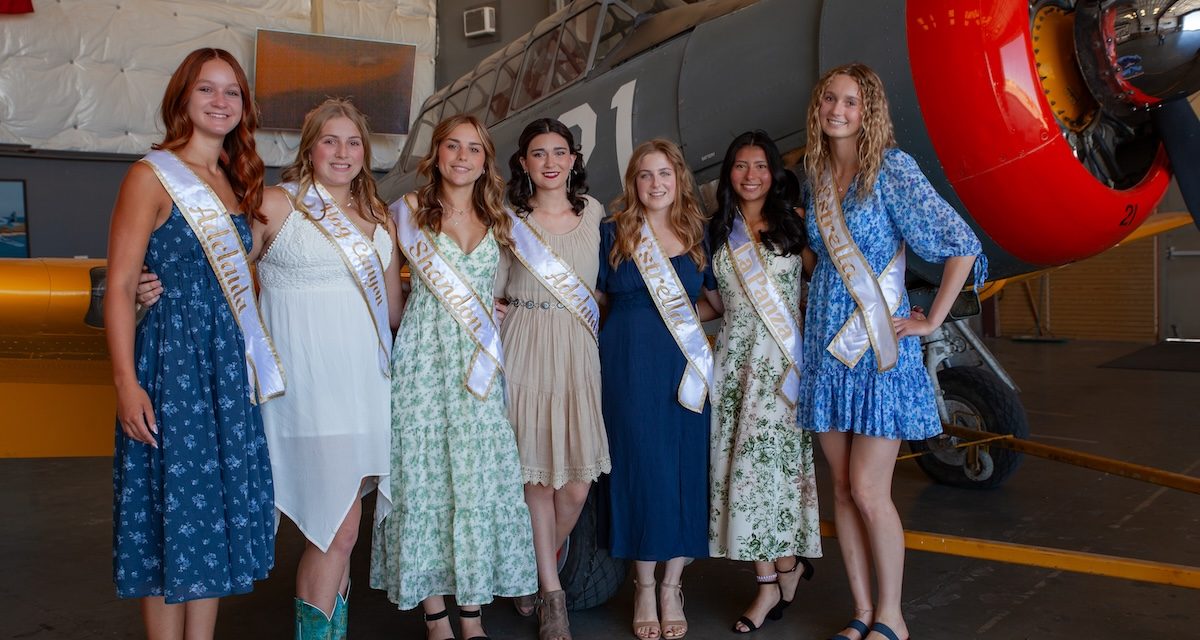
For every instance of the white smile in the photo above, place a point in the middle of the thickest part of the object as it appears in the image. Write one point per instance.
(550, 175)
(838, 123)
(340, 166)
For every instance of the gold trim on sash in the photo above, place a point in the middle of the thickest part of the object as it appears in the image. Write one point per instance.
(750, 267)
(359, 255)
(222, 245)
(856, 274)
(555, 274)
(675, 308)
(457, 296)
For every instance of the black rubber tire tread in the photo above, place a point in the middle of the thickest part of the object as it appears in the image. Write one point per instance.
(1001, 412)
(589, 575)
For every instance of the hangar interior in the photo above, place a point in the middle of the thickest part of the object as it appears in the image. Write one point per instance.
(80, 82)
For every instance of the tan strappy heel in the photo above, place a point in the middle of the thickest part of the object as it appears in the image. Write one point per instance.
(652, 628)
(682, 624)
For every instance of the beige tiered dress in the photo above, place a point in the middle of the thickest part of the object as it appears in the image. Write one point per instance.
(552, 365)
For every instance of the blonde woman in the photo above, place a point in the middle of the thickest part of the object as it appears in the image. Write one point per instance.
(460, 525)
(864, 386)
(656, 369)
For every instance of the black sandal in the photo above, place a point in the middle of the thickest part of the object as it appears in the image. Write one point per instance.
(772, 578)
(434, 617)
(478, 613)
(776, 612)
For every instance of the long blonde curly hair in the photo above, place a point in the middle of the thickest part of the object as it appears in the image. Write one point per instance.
(876, 135)
(686, 218)
(362, 188)
(488, 194)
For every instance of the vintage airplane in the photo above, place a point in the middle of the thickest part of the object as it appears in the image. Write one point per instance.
(1053, 126)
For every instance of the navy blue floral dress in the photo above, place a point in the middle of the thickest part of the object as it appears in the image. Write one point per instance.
(898, 403)
(658, 488)
(193, 518)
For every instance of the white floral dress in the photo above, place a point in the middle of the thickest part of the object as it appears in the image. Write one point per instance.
(459, 525)
(763, 494)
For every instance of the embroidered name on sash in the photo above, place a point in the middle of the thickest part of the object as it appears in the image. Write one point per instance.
(214, 228)
(676, 311)
(871, 323)
(360, 257)
(555, 274)
(458, 298)
(750, 267)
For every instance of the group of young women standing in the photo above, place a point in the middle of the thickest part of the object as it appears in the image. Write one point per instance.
(502, 397)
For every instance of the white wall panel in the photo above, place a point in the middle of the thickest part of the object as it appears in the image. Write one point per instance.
(88, 75)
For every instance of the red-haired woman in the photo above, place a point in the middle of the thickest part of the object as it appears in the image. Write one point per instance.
(193, 507)
(656, 370)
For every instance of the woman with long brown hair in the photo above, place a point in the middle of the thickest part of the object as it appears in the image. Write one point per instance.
(656, 370)
(460, 525)
(193, 502)
(864, 387)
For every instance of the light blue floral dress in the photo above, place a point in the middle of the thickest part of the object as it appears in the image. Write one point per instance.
(459, 525)
(898, 403)
(195, 517)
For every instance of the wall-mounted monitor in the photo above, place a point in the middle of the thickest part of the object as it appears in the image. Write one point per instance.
(294, 72)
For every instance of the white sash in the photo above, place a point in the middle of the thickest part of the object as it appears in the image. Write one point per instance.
(870, 324)
(555, 274)
(677, 313)
(459, 299)
(360, 257)
(751, 272)
(214, 229)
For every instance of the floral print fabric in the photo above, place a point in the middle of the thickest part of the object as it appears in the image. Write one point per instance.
(194, 518)
(459, 525)
(763, 494)
(901, 207)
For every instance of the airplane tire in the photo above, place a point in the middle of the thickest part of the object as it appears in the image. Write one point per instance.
(980, 400)
(588, 574)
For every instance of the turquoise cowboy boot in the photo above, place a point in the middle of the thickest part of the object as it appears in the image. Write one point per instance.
(341, 615)
(311, 622)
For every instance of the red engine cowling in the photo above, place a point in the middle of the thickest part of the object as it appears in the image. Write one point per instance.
(1006, 150)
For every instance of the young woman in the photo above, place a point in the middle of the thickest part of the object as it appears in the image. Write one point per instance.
(549, 337)
(864, 386)
(763, 494)
(193, 503)
(656, 371)
(460, 525)
(330, 293)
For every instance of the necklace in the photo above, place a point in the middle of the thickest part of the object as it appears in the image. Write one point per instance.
(459, 214)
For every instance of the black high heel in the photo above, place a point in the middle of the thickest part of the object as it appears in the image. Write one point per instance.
(478, 613)
(434, 617)
(776, 612)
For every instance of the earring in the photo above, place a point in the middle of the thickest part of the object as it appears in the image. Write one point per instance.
(569, 174)
(529, 182)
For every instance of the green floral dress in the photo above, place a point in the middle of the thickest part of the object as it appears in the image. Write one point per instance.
(763, 494)
(459, 524)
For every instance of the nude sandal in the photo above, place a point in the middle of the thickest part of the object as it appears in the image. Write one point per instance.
(653, 629)
(675, 623)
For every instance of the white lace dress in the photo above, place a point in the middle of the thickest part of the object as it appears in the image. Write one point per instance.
(332, 429)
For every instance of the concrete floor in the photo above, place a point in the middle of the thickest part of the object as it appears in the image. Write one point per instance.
(56, 534)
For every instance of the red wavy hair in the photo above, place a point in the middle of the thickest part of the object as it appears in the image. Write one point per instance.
(239, 155)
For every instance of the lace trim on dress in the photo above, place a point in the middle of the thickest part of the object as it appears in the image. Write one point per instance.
(558, 479)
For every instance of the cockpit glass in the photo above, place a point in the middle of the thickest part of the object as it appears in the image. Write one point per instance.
(573, 48)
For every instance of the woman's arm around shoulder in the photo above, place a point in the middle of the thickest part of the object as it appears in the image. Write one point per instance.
(392, 280)
(276, 207)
